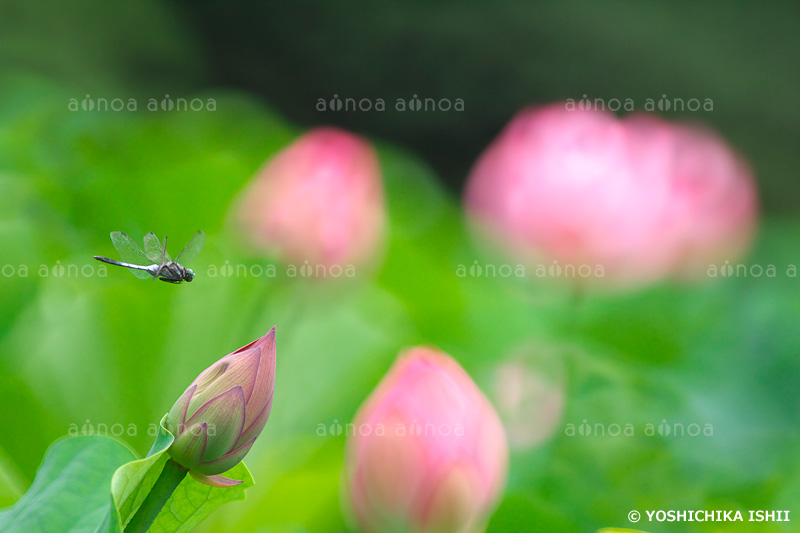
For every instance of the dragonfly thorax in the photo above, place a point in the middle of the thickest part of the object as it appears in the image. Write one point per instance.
(174, 272)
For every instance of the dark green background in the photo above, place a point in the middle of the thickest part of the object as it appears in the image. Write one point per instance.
(501, 56)
(496, 56)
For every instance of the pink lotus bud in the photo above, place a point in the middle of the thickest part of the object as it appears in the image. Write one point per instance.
(428, 453)
(634, 200)
(218, 418)
(319, 200)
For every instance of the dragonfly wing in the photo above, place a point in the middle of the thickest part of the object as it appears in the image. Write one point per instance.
(128, 250)
(141, 274)
(164, 256)
(153, 248)
(192, 248)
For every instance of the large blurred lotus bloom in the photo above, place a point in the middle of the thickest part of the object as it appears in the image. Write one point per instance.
(319, 200)
(639, 198)
(218, 418)
(428, 453)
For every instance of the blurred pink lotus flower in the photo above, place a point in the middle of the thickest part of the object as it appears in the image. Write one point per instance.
(641, 198)
(428, 453)
(218, 418)
(529, 391)
(319, 200)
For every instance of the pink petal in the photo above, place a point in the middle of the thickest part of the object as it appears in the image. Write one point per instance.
(176, 419)
(214, 481)
(257, 425)
(224, 415)
(227, 461)
(265, 380)
(190, 446)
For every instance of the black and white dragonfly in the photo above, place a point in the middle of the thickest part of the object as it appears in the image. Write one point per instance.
(154, 261)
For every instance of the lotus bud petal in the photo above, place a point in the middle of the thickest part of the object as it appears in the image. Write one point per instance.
(190, 446)
(214, 481)
(319, 200)
(227, 461)
(218, 418)
(224, 414)
(430, 453)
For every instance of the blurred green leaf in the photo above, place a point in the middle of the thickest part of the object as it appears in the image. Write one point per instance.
(12, 484)
(70, 491)
(425, 231)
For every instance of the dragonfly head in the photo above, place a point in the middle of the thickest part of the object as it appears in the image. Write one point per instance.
(189, 274)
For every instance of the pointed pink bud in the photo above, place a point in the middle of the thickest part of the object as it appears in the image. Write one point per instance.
(214, 481)
(429, 452)
(319, 200)
(588, 197)
(218, 418)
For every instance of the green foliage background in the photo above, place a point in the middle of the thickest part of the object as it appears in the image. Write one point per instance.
(87, 350)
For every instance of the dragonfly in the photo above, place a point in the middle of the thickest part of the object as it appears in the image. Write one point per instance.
(154, 261)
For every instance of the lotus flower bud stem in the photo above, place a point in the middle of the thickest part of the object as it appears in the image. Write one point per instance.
(169, 479)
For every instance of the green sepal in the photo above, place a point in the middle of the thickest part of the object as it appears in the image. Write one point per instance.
(132, 482)
(191, 503)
